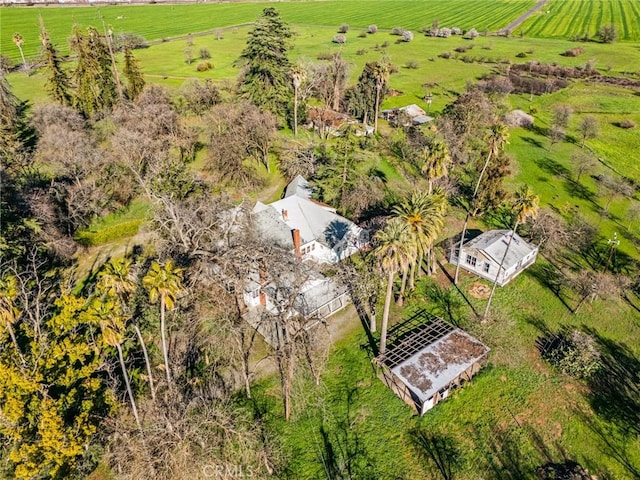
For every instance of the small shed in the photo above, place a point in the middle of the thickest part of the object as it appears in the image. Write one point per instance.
(427, 358)
(484, 254)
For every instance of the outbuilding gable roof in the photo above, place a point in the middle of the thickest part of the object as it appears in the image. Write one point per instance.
(494, 244)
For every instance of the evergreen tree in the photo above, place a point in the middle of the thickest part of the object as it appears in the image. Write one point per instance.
(57, 84)
(95, 86)
(133, 74)
(365, 98)
(265, 81)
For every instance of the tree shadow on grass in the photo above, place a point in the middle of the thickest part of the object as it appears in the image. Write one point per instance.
(533, 141)
(615, 390)
(340, 449)
(438, 451)
(551, 278)
(577, 190)
(612, 443)
(552, 167)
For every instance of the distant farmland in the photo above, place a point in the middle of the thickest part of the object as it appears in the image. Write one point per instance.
(155, 22)
(575, 18)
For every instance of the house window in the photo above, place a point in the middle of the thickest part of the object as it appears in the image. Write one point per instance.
(471, 260)
(486, 266)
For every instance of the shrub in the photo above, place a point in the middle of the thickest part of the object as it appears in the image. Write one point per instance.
(521, 55)
(444, 32)
(384, 44)
(130, 40)
(372, 29)
(340, 38)
(362, 34)
(473, 33)
(445, 55)
(407, 36)
(572, 352)
(205, 54)
(456, 31)
(204, 66)
(574, 52)
(412, 64)
(627, 123)
(393, 68)
(325, 56)
(397, 31)
(608, 33)
(461, 49)
(362, 51)
(344, 28)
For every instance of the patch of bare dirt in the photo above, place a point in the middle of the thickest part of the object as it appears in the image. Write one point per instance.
(479, 290)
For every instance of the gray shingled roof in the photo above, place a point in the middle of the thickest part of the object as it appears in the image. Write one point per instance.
(300, 187)
(494, 243)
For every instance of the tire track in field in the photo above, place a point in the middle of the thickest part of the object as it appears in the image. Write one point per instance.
(518, 21)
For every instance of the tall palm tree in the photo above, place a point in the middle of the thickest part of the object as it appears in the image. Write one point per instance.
(9, 312)
(525, 206)
(423, 215)
(18, 40)
(163, 283)
(298, 76)
(116, 280)
(108, 313)
(392, 254)
(381, 75)
(437, 161)
(496, 139)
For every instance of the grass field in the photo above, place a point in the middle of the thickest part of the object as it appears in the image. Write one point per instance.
(575, 18)
(155, 22)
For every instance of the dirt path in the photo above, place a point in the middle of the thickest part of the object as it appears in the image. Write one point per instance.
(516, 23)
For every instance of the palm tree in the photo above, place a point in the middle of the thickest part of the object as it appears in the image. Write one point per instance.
(525, 206)
(163, 283)
(9, 312)
(298, 75)
(392, 255)
(496, 139)
(437, 161)
(116, 280)
(108, 313)
(423, 215)
(18, 40)
(381, 75)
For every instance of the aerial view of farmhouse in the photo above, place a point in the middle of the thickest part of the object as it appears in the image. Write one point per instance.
(320, 239)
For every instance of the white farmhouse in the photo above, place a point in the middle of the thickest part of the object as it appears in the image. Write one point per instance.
(483, 255)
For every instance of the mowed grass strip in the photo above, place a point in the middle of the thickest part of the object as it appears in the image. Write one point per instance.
(155, 22)
(575, 18)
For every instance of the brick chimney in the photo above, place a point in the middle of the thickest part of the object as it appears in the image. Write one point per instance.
(296, 242)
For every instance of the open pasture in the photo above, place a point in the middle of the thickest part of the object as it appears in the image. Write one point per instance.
(155, 22)
(575, 18)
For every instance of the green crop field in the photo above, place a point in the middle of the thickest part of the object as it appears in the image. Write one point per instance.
(573, 18)
(155, 22)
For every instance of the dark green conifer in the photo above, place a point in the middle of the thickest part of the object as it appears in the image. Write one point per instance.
(133, 74)
(57, 84)
(265, 81)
